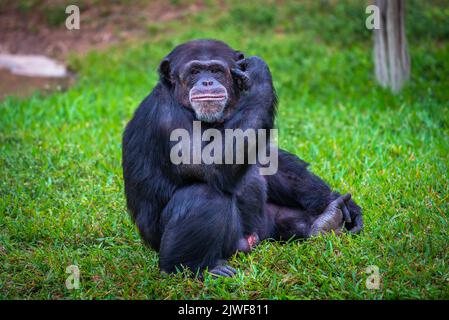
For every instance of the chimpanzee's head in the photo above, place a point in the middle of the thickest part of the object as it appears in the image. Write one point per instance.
(199, 73)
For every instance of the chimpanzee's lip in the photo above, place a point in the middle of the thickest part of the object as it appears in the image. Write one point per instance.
(208, 97)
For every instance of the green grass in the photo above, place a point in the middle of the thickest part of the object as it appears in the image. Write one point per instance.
(61, 186)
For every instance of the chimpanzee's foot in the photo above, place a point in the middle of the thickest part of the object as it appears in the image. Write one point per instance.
(222, 270)
(248, 243)
(333, 217)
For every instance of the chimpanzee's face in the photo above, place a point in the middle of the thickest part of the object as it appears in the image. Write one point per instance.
(202, 79)
(206, 82)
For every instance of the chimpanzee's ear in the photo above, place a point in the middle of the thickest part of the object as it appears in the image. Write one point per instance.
(165, 71)
(238, 55)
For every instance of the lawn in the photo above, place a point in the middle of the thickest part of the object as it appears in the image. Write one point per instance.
(61, 188)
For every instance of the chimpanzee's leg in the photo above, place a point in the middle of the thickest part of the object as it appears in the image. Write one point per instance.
(201, 230)
(294, 223)
(293, 186)
(250, 196)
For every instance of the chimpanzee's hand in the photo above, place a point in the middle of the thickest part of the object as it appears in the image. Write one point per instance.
(252, 71)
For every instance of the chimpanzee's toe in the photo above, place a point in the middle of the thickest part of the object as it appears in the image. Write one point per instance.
(333, 217)
(223, 271)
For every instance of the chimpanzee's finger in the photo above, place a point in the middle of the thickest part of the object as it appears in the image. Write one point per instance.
(239, 73)
(242, 64)
(358, 224)
(346, 214)
(344, 207)
(217, 273)
(242, 78)
(355, 229)
(231, 270)
(224, 271)
(340, 201)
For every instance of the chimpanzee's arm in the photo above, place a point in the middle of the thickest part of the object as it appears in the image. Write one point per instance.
(147, 188)
(254, 110)
(257, 105)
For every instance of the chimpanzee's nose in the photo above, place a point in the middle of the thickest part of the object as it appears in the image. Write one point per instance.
(207, 83)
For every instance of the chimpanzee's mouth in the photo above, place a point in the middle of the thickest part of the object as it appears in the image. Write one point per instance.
(208, 97)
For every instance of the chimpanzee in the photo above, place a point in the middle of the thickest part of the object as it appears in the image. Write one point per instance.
(198, 215)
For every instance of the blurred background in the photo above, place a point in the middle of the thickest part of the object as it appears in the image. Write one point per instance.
(38, 26)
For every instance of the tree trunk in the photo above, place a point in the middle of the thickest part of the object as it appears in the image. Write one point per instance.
(391, 56)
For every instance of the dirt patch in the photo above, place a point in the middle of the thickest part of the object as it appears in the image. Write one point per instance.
(14, 85)
(38, 27)
(41, 28)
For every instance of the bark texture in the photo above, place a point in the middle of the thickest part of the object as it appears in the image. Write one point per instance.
(391, 57)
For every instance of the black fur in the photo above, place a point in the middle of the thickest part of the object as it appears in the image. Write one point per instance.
(195, 216)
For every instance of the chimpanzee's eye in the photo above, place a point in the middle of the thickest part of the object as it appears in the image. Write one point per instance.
(194, 71)
(216, 70)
